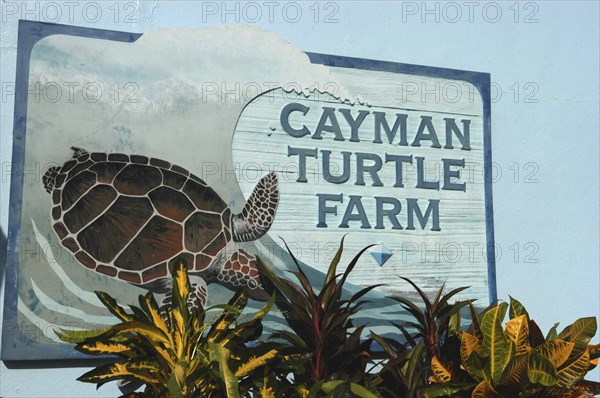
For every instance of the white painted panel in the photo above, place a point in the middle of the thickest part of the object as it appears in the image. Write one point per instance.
(455, 255)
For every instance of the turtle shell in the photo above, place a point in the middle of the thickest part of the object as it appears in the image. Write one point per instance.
(131, 217)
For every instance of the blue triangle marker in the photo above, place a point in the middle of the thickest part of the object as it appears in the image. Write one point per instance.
(381, 253)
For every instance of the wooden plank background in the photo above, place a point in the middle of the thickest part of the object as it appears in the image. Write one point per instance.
(456, 255)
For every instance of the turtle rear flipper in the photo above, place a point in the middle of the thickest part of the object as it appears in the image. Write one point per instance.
(258, 213)
(241, 272)
(196, 297)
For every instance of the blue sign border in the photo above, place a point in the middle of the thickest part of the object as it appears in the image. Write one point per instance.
(16, 346)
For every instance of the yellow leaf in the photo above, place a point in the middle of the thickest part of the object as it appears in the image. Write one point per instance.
(556, 351)
(441, 374)
(100, 347)
(468, 344)
(303, 391)
(517, 330)
(155, 314)
(267, 392)
(484, 390)
(254, 362)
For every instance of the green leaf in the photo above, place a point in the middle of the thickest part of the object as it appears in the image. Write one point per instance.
(496, 345)
(332, 270)
(475, 327)
(249, 327)
(78, 336)
(150, 332)
(356, 389)
(177, 382)
(517, 309)
(541, 371)
(115, 309)
(574, 371)
(443, 390)
(553, 333)
(516, 372)
(580, 332)
(220, 354)
(232, 311)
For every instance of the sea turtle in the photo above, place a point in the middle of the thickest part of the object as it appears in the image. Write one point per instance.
(131, 218)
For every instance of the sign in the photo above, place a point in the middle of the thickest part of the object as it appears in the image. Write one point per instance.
(125, 162)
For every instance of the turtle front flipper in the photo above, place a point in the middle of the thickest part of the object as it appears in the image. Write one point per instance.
(198, 294)
(196, 297)
(258, 213)
(240, 271)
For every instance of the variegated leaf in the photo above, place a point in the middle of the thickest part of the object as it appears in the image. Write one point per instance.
(441, 374)
(78, 336)
(517, 330)
(516, 371)
(484, 390)
(556, 351)
(98, 347)
(469, 345)
(517, 309)
(574, 371)
(255, 362)
(540, 370)
(111, 304)
(580, 332)
(142, 370)
(220, 354)
(496, 345)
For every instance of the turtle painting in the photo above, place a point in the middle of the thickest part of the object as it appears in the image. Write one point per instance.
(131, 217)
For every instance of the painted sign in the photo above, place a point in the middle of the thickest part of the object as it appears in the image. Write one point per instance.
(125, 161)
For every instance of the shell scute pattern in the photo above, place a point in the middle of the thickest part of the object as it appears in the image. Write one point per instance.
(116, 227)
(200, 229)
(129, 213)
(60, 229)
(86, 260)
(172, 179)
(106, 270)
(99, 157)
(79, 167)
(106, 172)
(158, 241)
(155, 272)
(216, 245)
(56, 196)
(160, 163)
(133, 217)
(76, 187)
(89, 207)
(203, 197)
(139, 159)
(118, 157)
(180, 170)
(136, 179)
(171, 203)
